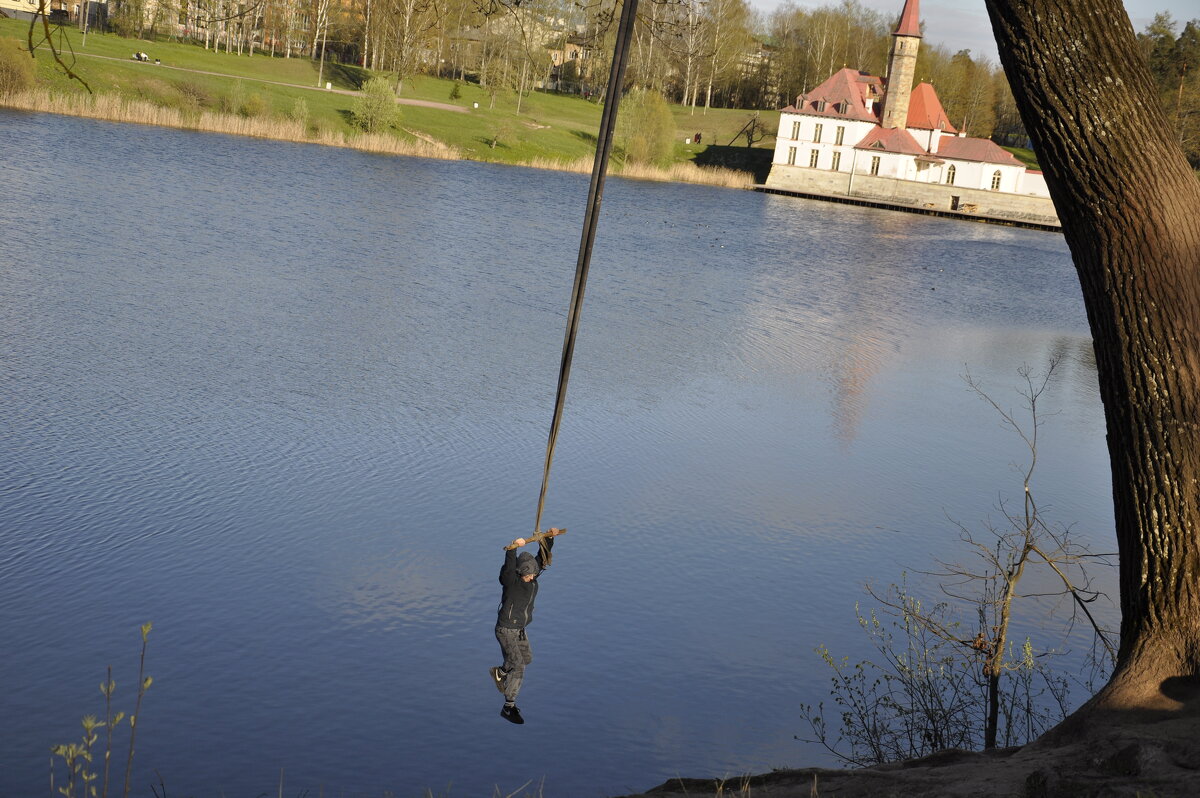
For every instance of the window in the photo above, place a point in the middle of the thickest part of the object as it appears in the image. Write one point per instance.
(817, 133)
(841, 134)
(996, 180)
(874, 164)
(795, 130)
(812, 158)
(820, 105)
(791, 156)
(950, 170)
(837, 161)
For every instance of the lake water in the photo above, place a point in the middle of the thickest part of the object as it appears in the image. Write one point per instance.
(289, 402)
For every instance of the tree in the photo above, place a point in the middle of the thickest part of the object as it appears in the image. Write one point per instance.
(645, 128)
(375, 109)
(16, 70)
(962, 673)
(729, 39)
(1127, 200)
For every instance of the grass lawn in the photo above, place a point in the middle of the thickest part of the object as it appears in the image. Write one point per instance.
(1025, 156)
(548, 126)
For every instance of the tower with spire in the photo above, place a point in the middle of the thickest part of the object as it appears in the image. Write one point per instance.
(902, 66)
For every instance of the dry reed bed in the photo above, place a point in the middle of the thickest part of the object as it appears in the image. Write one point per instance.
(676, 173)
(115, 108)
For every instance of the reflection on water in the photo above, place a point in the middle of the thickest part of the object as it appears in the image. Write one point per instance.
(289, 402)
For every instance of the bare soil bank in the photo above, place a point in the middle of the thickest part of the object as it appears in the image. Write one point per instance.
(1145, 758)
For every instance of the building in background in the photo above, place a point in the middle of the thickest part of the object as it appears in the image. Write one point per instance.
(880, 140)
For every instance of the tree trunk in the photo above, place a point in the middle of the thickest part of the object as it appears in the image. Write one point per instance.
(993, 710)
(1128, 203)
(366, 35)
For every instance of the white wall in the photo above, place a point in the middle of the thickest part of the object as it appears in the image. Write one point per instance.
(969, 174)
(1034, 184)
(804, 143)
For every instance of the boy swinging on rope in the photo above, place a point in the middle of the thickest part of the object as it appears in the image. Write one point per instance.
(519, 578)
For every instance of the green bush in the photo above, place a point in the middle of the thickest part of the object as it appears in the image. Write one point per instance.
(299, 112)
(455, 91)
(645, 128)
(232, 103)
(254, 105)
(375, 109)
(16, 70)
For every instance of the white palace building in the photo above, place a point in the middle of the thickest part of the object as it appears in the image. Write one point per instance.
(874, 140)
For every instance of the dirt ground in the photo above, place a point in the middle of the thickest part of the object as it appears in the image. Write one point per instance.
(1147, 758)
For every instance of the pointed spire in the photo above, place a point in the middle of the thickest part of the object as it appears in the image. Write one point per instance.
(910, 20)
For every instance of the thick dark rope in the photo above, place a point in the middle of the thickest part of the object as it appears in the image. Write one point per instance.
(608, 118)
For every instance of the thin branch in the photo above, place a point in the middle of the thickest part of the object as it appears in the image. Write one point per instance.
(55, 51)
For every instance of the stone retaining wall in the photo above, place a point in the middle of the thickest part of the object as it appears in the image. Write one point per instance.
(972, 202)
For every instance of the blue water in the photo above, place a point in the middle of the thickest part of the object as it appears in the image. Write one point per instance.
(289, 402)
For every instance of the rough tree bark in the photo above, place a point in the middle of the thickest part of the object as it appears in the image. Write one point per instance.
(1130, 208)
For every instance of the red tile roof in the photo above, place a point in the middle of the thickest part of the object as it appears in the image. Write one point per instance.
(968, 149)
(890, 140)
(925, 110)
(910, 20)
(845, 96)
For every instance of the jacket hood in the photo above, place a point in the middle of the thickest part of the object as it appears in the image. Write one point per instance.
(527, 564)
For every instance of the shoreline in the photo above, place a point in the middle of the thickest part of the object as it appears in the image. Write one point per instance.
(114, 108)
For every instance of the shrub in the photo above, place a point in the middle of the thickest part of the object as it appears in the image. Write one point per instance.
(194, 95)
(232, 103)
(253, 106)
(645, 129)
(375, 109)
(299, 111)
(455, 91)
(16, 70)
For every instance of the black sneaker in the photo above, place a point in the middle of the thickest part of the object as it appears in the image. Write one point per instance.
(498, 678)
(511, 714)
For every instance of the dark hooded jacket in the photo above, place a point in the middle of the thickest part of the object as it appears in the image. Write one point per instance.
(516, 603)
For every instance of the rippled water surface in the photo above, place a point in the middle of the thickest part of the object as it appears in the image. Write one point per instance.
(289, 402)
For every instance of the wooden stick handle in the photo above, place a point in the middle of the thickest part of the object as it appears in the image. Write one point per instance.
(535, 538)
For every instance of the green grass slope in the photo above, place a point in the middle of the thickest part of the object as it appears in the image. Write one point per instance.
(548, 126)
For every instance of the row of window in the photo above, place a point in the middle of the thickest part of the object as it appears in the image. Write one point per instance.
(838, 136)
(814, 157)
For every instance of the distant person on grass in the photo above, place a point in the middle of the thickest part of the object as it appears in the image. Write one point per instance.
(519, 578)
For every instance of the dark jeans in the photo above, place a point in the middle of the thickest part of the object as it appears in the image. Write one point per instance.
(517, 654)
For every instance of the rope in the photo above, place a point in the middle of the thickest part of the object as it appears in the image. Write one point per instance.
(608, 120)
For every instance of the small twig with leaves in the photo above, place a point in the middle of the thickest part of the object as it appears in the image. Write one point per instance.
(78, 757)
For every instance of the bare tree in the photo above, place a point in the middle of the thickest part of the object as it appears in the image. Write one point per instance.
(942, 680)
(1006, 553)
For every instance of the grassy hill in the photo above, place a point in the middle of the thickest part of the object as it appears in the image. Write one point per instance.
(549, 127)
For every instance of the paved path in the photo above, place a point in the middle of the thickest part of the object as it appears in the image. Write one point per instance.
(400, 100)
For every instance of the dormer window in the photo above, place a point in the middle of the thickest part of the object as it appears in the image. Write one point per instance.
(820, 105)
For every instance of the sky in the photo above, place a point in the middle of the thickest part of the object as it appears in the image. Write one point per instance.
(963, 24)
